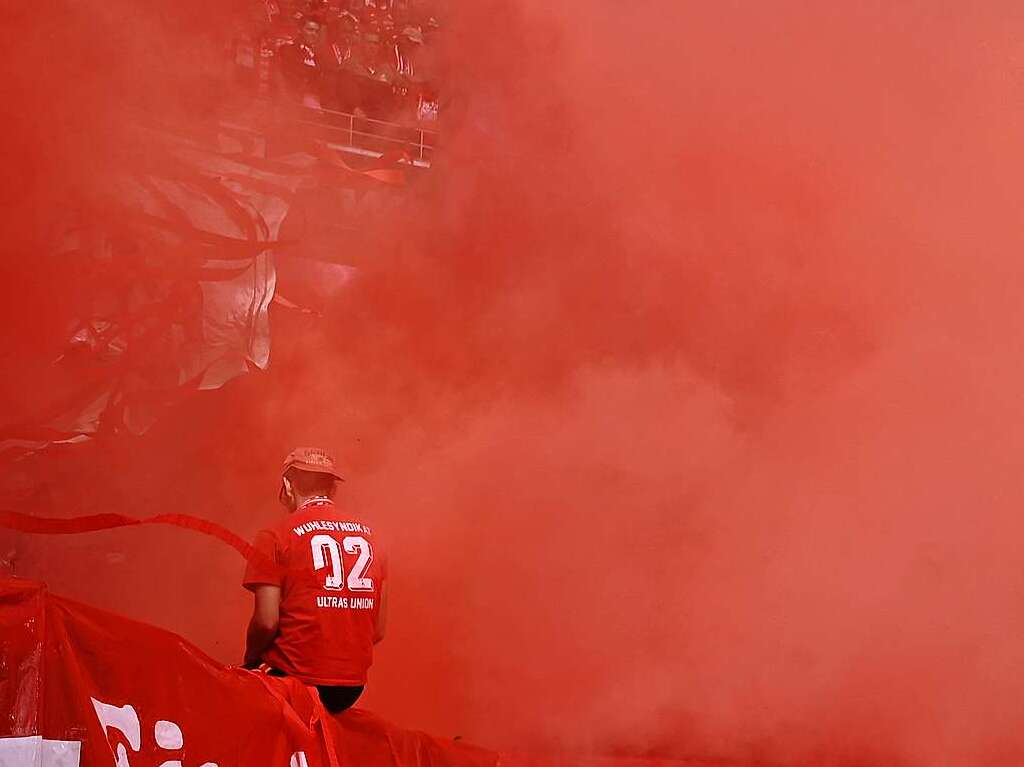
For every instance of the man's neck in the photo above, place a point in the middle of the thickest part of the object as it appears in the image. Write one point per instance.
(306, 501)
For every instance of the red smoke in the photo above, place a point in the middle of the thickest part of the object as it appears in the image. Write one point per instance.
(686, 386)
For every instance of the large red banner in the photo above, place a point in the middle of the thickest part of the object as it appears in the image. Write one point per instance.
(81, 687)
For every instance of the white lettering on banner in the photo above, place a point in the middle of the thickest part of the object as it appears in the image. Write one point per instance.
(36, 751)
(125, 720)
(168, 735)
(22, 752)
(61, 753)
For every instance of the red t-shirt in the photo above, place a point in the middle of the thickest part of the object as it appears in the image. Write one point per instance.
(331, 573)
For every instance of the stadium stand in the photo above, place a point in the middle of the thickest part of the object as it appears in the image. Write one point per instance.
(362, 74)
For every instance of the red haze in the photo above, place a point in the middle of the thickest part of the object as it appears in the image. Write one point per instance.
(688, 388)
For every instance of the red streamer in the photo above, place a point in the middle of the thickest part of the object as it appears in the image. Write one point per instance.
(26, 523)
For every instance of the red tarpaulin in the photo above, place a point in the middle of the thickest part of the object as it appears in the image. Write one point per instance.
(81, 687)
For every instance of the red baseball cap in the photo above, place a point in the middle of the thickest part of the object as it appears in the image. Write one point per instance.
(314, 459)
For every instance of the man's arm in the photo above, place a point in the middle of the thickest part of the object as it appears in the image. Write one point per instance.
(263, 625)
(382, 614)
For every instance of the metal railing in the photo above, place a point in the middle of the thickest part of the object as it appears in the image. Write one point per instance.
(370, 137)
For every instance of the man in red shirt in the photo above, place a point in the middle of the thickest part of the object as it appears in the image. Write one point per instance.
(321, 588)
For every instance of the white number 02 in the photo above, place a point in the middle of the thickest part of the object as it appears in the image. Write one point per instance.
(327, 554)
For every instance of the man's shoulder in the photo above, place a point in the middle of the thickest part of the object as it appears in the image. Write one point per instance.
(272, 532)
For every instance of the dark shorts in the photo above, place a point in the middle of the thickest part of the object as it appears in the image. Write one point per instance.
(335, 698)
